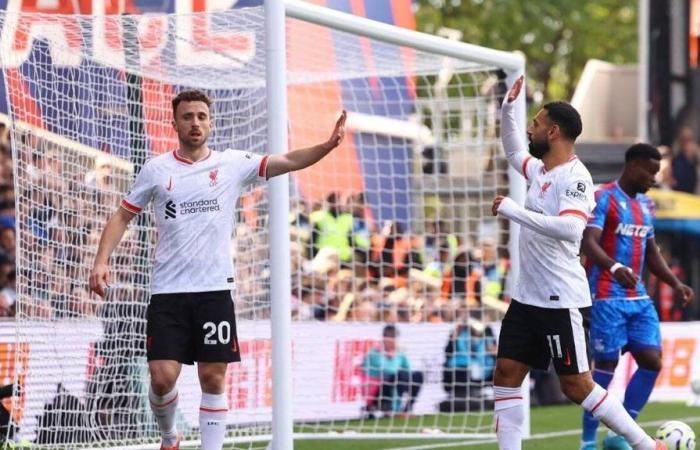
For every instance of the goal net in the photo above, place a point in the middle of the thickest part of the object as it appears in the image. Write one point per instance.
(394, 227)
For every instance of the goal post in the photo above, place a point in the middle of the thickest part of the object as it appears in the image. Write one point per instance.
(512, 64)
(280, 271)
(393, 227)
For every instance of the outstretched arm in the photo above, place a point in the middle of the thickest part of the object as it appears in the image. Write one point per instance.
(657, 266)
(111, 236)
(305, 157)
(510, 134)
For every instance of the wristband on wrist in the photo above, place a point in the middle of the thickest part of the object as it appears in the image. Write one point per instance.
(616, 266)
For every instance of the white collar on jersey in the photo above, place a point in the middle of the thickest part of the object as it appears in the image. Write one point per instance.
(184, 160)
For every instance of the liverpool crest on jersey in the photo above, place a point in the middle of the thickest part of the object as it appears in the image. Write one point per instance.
(545, 188)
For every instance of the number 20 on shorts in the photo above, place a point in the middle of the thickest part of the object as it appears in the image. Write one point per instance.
(222, 332)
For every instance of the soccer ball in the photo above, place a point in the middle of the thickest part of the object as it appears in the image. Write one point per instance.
(676, 435)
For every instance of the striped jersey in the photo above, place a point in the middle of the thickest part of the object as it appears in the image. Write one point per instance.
(626, 224)
(194, 205)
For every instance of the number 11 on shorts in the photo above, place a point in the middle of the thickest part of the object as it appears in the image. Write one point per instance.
(554, 343)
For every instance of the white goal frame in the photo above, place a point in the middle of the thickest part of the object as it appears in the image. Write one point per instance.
(511, 63)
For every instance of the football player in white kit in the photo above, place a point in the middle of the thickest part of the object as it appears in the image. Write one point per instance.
(191, 315)
(547, 319)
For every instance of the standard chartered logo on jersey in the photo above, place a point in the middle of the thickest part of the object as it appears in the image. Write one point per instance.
(184, 208)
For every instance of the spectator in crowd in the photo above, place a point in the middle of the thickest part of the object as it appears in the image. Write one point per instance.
(362, 226)
(7, 265)
(438, 239)
(6, 173)
(40, 212)
(34, 147)
(312, 301)
(8, 295)
(100, 183)
(7, 214)
(495, 271)
(389, 377)
(58, 288)
(332, 228)
(664, 177)
(7, 193)
(7, 242)
(441, 260)
(394, 253)
(462, 281)
(685, 163)
(366, 311)
(300, 227)
(470, 357)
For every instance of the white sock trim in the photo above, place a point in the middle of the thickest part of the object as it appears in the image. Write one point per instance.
(161, 401)
(507, 397)
(596, 398)
(502, 391)
(214, 403)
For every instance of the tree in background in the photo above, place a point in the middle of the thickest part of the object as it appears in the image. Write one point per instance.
(556, 36)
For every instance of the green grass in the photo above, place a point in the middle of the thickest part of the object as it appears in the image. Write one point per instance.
(562, 419)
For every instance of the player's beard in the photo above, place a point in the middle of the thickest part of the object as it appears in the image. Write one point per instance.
(538, 149)
(193, 142)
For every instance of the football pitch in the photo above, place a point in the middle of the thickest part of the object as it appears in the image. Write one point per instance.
(553, 428)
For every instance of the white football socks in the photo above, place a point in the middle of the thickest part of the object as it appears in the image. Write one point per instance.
(610, 411)
(212, 420)
(509, 416)
(164, 408)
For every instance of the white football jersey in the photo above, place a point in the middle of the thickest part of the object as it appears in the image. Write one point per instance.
(194, 204)
(551, 275)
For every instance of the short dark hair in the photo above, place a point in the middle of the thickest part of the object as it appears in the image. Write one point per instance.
(642, 151)
(192, 95)
(566, 117)
(390, 331)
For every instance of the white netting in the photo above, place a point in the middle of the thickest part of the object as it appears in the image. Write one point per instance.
(394, 226)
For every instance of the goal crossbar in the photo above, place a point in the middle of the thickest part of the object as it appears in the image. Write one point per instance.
(361, 26)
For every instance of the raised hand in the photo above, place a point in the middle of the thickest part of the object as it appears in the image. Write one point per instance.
(338, 132)
(515, 89)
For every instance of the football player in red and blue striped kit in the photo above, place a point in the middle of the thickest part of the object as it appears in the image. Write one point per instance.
(618, 242)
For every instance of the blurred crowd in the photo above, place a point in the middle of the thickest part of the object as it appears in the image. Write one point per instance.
(8, 273)
(66, 201)
(346, 266)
